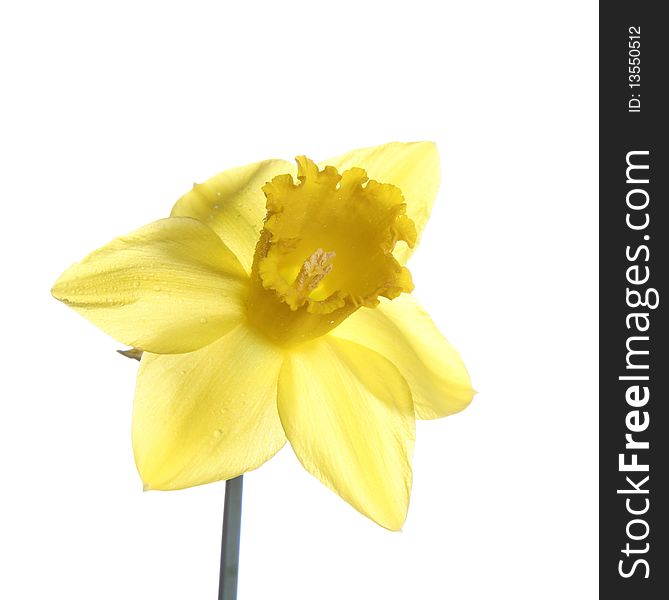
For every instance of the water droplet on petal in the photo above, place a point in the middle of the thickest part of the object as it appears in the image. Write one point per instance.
(203, 320)
(218, 433)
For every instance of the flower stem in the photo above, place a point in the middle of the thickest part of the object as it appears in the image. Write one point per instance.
(232, 520)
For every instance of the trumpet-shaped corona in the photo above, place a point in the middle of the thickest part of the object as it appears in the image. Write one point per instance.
(326, 249)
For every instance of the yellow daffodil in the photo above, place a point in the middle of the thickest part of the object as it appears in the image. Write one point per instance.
(272, 305)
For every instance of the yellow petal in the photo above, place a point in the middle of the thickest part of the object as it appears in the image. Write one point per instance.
(348, 415)
(169, 287)
(232, 203)
(405, 334)
(207, 415)
(412, 167)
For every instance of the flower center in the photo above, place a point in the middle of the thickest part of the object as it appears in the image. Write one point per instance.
(326, 250)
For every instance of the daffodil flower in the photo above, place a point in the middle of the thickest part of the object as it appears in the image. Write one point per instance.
(274, 304)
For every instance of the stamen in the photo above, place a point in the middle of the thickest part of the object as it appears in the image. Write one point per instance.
(313, 271)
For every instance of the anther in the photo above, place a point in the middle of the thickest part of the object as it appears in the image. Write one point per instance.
(313, 271)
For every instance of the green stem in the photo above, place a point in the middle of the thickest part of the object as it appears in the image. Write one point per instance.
(232, 521)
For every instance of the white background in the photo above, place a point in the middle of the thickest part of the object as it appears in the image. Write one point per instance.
(111, 109)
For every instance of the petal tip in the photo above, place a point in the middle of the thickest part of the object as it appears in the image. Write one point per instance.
(393, 522)
(56, 289)
(395, 527)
